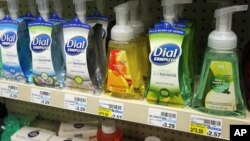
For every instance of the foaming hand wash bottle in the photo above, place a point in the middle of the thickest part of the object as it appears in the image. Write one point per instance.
(219, 89)
(124, 79)
(45, 44)
(14, 43)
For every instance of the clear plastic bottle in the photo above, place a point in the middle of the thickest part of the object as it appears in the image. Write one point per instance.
(219, 89)
(109, 132)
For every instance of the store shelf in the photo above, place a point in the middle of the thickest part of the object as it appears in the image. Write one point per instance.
(128, 110)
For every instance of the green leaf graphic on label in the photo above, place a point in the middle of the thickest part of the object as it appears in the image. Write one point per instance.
(78, 80)
(221, 84)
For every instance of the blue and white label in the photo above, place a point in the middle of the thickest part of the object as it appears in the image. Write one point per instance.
(8, 91)
(76, 45)
(40, 43)
(162, 118)
(165, 54)
(8, 39)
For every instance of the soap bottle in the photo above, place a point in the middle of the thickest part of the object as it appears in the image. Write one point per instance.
(152, 138)
(219, 88)
(169, 78)
(45, 45)
(246, 73)
(14, 43)
(2, 13)
(109, 132)
(140, 38)
(80, 50)
(124, 79)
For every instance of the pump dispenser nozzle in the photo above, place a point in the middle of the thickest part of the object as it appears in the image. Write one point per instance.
(122, 31)
(43, 9)
(80, 7)
(134, 22)
(13, 8)
(32, 7)
(100, 4)
(223, 38)
(57, 5)
(169, 9)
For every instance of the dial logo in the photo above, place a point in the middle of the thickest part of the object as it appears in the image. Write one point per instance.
(165, 54)
(76, 45)
(8, 39)
(33, 134)
(40, 43)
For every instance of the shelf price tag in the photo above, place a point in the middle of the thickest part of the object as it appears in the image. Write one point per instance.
(206, 126)
(110, 109)
(162, 118)
(75, 103)
(40, 96)
(8, 91)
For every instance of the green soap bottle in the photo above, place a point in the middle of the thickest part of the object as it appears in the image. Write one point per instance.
(219, 89)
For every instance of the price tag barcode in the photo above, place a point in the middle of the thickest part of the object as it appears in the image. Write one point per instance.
(8, 91)
(110, 109)
(206, 126)
(76, 103)
(40, 96)
(162, 118)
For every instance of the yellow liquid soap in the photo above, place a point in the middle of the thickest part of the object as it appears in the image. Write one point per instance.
(124, 77)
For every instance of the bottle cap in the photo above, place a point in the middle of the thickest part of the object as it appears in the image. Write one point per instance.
(122, 31)
(13, 8)
(109, 127)
(223, 38)
(152, 138)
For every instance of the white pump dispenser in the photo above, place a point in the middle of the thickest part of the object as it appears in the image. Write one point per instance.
(13, 8)
(80, 7)
(122, 31)
(223, 38)
(57, 5)
(32, 7)
(43, 9)
(100, 4)
(169, 9)
(134, 22)
(2, 13)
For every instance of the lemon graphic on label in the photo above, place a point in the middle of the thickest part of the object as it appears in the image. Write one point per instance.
(122, 61)
(44, 76)
(78, 80)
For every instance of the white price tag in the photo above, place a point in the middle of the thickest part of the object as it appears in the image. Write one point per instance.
(162, 118)
(8, 91)
(206, 126)
(111, 109)
(74, 102)
(40, 96)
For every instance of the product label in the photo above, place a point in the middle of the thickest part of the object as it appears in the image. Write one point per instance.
(75, 50)
(9, 91)
(8, 43)
(74, 102)
(220, 90)
(119, 77)
(162, 118)
(111, 109)
(166, 50)
(40, 46)
(206, 126)
(40, 96)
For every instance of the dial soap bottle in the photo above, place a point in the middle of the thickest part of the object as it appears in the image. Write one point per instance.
(124, 78)
(45, 44)
(14, 43)
(219, 88)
